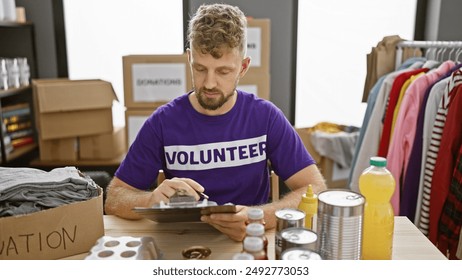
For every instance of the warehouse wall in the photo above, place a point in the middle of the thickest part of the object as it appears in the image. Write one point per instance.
(47, 15)
(283, 16)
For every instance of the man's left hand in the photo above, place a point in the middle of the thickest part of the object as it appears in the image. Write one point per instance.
(231, 224)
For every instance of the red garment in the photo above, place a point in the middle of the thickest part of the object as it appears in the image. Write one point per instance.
(392, 101)
(451, 217)
(445, 162)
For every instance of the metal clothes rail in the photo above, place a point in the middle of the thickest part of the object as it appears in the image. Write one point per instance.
(435, 50)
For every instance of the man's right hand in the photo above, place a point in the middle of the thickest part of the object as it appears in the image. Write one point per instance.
(121, 197)
(169, 187)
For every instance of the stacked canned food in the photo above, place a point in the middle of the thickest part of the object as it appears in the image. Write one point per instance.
(338, 229)
(291, 235)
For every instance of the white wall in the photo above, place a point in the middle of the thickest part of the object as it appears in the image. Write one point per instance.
(100, 32)
(334, 38)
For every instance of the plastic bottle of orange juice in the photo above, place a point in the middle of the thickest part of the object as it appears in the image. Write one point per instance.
(377, 185)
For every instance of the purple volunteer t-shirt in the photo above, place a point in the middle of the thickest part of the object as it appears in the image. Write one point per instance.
(226, 154)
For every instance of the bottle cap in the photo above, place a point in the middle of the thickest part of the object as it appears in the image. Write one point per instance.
(309, 196)
(255, 229)
(253, 244)
(255, 213)
(378, 161)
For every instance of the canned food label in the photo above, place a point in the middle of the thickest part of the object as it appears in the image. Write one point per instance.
(278, 246)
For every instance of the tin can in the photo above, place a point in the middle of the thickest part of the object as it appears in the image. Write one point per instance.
(300, 254)
(243, 256)
(286, 218)
(298, 237)
(339, 224)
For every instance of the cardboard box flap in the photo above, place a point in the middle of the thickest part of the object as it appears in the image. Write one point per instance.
(305, 135)
(59, 95)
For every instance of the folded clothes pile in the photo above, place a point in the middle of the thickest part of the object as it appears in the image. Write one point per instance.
(28, 190)
(335, 141)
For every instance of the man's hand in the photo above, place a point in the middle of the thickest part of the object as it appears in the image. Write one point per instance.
(121, 197)
(169, 187)
(233, 225)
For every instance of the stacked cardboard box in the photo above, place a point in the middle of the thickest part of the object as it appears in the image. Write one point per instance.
(55, 233)
(257, 78)
(74, 120)
(149, 82)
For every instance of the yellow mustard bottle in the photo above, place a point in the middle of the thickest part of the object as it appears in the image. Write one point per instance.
(377, 185)
(309, 205)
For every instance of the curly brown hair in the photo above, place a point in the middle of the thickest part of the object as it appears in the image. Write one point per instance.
(216, 28)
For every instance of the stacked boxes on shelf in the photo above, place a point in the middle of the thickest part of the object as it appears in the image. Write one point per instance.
(18, 128)
(74, 120)
(153, 80)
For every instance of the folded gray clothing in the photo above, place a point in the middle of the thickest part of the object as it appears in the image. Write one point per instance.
(12, 209)
(29, 189)
(339, 147)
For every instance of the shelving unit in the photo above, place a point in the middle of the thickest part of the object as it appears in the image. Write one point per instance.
(18, 40)
(12, 96)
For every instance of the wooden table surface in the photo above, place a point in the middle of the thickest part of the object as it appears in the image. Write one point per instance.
(171, 238)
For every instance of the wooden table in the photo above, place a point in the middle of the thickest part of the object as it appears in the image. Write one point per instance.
(408, 244)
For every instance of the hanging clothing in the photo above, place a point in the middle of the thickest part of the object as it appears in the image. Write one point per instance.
(459, 247)
(411, 199)
(410, 202)
(400, 100)
(433, 150)
(421, 219)
(370, 106)
(368, 141)
(403, 137)
(451, 217)
(381, 61)
(392, 101)
(451, 140)
(415, 113)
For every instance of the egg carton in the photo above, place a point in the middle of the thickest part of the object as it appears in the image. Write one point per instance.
(124, 248)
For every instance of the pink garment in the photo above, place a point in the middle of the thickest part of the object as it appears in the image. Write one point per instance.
(404, 133)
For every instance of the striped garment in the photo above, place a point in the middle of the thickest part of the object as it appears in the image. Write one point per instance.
(433, 148)
(405, 127)
(451, 140)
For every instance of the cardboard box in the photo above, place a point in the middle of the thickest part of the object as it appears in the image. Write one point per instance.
(334, 176)
(134, 119)
(258, 44)
(103, 146)
(256, 83)
(54, 233)
(59, 149)
(68, 108)
(153, 80)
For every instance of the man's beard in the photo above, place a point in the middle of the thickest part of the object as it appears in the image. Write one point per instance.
(213, 103)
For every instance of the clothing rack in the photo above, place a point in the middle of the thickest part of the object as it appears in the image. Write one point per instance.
(433, 49)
